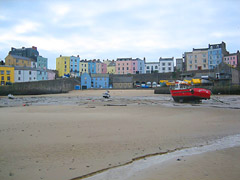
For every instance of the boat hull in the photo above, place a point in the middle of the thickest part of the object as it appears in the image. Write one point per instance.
(191, 94)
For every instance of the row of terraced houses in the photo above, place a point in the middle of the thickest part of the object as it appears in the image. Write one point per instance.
(73, 66)
(25, 64)
(197, 59)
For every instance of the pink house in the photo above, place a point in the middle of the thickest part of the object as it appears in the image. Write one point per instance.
(232, 59)
(98, 67)
(126, 66)
(103, 68)
(51, 74)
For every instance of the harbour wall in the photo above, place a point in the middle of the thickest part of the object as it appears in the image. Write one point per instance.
(40, 87)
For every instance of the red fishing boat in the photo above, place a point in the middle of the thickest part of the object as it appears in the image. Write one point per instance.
(182, 92)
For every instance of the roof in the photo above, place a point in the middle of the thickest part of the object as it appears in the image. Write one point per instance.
(22, 57)
(232, 54)
(6, 66)
(100, 75)
(122, 79)
(149, 63)
(25, 68)
(200, 49)
(113, 63)
(166, 59)
(124, 59)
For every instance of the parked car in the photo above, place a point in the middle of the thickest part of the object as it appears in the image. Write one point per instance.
(149, 85)
(138, 85)
(143, 85)
(154, 84)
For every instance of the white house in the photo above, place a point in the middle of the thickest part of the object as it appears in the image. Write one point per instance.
(166, 65)
(151, 67)
(25, 74)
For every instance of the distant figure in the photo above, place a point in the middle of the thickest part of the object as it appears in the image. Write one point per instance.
(106, 94)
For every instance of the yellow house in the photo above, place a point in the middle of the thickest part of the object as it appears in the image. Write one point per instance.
(6, 75)
(83, 67)
(63, 65)
(14, 60)
(111, 69)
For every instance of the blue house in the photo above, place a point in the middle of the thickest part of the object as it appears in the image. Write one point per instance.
(42, 63)
(42, 74)
(92, 67)
(74, 66)
(141, 66)
(216, 53)
(85, 81)
(100, 81)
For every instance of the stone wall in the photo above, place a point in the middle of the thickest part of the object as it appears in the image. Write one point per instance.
(40, 87)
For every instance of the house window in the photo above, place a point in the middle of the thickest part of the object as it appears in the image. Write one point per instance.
(190, 66)
(2, 72)
(127, 68)
(169, 64)
(30, 78)
(8, 78)
(169, 68)
(204, 60)
(204, 65)
(30, 72)
(8, 72)
(156, 67)
(163, 64)
(163, 68)
(2, 78)
(19, 78)
(195, 61)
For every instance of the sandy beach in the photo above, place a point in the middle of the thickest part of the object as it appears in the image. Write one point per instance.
(64, 136)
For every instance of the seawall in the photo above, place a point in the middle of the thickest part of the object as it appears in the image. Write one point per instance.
(40, 87)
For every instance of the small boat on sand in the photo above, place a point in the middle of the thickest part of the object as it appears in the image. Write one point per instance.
(183, 92)
(106, 94)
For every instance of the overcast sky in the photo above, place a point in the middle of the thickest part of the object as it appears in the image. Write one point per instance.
(101, 29)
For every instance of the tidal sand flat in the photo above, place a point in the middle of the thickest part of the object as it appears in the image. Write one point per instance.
(62, 140)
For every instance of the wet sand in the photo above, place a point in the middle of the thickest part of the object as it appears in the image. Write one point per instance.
(217, 165)
(70, 135)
